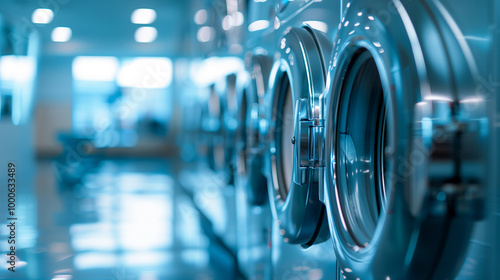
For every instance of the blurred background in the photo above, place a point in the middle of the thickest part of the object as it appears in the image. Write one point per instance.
(100, 114)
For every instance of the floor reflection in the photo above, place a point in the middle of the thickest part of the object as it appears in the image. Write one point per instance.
(125, 220)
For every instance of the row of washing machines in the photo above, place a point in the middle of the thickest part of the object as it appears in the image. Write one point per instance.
(374, 129)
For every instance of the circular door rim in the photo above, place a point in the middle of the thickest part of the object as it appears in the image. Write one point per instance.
(249, 161)
(298, 49)
(394, 250)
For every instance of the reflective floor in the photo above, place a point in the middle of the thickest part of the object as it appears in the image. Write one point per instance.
(120, 220)
(160, 219)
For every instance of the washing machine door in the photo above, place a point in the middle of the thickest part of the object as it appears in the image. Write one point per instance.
(297, 80)
(405, 134)
(250, 144)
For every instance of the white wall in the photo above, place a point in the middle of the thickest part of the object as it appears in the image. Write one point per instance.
(53, 103)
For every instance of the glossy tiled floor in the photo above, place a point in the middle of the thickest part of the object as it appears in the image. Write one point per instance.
(123, 220)
(159, 219)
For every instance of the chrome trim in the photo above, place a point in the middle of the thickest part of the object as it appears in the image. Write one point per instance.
(308, 142)
(301, 66)
(427, 80)
(251, 144)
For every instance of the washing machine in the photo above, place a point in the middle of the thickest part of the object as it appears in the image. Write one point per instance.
(297, 80)
(303, 49)
(231, 85)
(250, 143)
(212, 127)
(296, 35)
(252, 207)
(406, 179)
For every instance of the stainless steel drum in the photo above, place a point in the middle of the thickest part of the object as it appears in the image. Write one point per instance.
(297, 81)
(405, 142)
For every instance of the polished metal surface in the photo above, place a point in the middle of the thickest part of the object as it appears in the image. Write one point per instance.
(250, 140)
(286, 137)
(214, 123)
(298, 73)
(412, 211)
(230, 103)
(261, 129)
(362, 150)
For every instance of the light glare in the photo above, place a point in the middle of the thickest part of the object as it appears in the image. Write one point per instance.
(200, 17)
(205, 34)
(318, 25)
(95, 68)
(258, 25)
(61, 34)
(146, 72)
(238, 18)
(143, 16)
(146, 34)
(42, 16)
(17, 68)
(203, 74)
(227, 22)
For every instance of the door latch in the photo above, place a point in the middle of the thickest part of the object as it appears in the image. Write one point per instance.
(307, 141)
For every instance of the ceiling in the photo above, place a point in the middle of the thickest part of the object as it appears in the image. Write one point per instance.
(103, 27)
